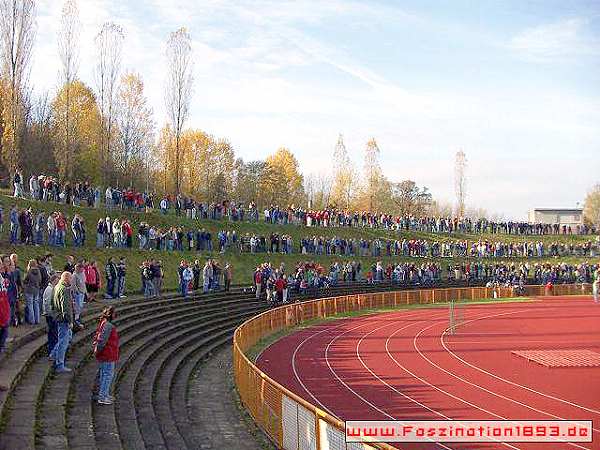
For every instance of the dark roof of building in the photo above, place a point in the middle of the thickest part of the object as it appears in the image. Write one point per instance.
(562, 210)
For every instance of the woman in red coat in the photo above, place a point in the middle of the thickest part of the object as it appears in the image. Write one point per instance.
(106, 349)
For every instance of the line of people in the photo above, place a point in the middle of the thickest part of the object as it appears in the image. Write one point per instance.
(50, 189)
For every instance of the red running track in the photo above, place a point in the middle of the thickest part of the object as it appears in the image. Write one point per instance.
(403, 365)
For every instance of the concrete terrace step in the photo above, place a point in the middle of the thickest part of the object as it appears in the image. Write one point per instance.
(133, 359)
(34, 352)
(79, 425)
(134, 336)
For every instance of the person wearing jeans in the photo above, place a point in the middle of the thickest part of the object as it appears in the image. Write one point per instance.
(79, 290)
(106, 350)
(31, 290)
(111, 278)
(62, 306)
(48, 312)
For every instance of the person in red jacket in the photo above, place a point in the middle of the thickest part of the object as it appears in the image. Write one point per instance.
(4, 316)
(106, 349)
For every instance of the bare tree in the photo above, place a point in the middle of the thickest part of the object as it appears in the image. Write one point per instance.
(178, 89)
(460, 182)
(68, 51)
(372, 171)
(17, 36)
(318, 190)
(109, 45)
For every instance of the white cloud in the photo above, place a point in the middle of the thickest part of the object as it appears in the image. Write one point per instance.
(556, 41)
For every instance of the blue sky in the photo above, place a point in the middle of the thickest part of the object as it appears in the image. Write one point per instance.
(514, 84)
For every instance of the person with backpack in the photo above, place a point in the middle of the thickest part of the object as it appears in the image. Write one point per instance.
(106, 351)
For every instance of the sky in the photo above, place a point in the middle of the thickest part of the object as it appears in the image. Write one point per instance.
(513, 84)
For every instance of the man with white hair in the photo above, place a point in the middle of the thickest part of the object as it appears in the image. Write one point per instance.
(62, 306)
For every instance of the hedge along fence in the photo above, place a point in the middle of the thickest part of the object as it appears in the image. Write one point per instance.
(291, 422)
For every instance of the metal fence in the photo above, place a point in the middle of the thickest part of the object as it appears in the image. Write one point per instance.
(293, 423)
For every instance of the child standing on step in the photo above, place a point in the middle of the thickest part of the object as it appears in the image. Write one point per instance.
(106, 350)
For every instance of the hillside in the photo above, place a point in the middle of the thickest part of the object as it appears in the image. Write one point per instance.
(242, 264)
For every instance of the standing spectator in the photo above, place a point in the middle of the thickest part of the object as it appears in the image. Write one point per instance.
(62, 306)
(147, 280)
(16, 287)
(34, 187)
(227, 276)
(93, 281)
(258, 282)
(157, 277)
(79, 290)
(48, 312)
(111, 278)
(197, 271)
(207, 274)
(14, 225)
(121, 271)
(31, 289)
(4, 316)
(106, 350)
(61, 225)
(70, 264)
(18, 184)
(100, 232)
(185, 278)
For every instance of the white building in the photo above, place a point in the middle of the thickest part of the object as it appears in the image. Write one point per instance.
(551, 216)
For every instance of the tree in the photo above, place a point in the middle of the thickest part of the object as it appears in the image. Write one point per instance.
(136, 128)
(207, 166)
(178, 90)
(81, 159)
(246, 181)
(460, 182)
(109, 45)
(17, 35)
(39, 139)
(68, 51)
(318, 190)
(439, 209)
(409, 199)
(372, 172)
(344, 176)
(164, 151)
(281, 181)
(591, 206)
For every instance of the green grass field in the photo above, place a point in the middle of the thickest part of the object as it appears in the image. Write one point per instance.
(242, 264)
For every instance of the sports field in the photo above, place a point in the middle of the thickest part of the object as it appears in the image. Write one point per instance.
(536, 360)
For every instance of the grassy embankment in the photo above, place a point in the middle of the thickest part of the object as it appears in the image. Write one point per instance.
(243, 264)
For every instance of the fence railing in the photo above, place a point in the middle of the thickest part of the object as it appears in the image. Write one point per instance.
(291, 422)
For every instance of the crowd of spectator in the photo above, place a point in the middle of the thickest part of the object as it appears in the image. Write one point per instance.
(47, 188)
(56, 229)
